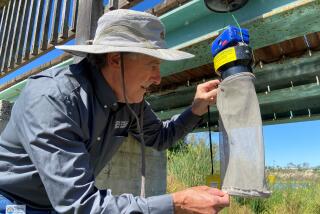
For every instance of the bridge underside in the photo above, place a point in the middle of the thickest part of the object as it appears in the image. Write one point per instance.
(285, 35)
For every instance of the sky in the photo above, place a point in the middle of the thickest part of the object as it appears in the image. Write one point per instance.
(293, 142)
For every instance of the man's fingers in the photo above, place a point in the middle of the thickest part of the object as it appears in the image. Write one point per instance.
(224, 201)
(212, 84)
(210, 94)
(217, 192)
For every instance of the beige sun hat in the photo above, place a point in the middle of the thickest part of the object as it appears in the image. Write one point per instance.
(128, 31)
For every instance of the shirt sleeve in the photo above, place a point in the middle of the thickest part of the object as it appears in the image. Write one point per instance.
(48, 126)
(162, 135)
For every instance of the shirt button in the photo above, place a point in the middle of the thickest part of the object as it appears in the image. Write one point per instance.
(105, 106)
(98, 138)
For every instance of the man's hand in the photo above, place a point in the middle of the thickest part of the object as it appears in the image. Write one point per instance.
(200, 200)
(206, 94)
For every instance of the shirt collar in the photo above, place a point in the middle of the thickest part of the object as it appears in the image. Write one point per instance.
(103, 91)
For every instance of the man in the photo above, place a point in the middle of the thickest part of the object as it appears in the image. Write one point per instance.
(62, 128)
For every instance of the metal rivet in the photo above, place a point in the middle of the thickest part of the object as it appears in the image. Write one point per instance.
(98, 138)
(308, 45)
(105, 106)
(261, 64)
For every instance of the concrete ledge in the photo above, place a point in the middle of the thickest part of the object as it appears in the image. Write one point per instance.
(122, 173)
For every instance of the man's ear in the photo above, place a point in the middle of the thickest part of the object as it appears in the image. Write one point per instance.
(113, 60)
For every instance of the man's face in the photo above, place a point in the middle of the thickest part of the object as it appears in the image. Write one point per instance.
(140, 71)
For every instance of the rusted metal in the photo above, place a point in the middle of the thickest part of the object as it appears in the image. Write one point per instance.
(1, 19)
(166, 6)
(8, 41)
(75, 5)
(65, 19)
(16, 33)
(3, 3)
(113, 4)
(30, 27)
(2, 28)
(37, 27)
(124, 4)
(43, 67)
(55, 22)
(34, 57)
(5, 33)
(45, 25)
(22, 36)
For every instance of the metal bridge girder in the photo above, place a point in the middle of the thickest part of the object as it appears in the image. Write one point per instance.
(192, 27)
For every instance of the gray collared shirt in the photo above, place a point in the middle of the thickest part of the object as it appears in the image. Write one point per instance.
(64, 127)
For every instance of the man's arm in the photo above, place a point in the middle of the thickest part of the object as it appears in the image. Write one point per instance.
(48, 126)
(162, 135)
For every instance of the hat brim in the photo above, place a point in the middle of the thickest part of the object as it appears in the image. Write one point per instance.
(164, 54)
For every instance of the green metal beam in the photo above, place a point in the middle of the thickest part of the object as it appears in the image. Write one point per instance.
(301, 101)
(192, 27)
(290, 72)
(274, 76)
(10, 94)
(215, 128)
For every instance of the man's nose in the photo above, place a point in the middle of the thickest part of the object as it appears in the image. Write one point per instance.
(156, 77)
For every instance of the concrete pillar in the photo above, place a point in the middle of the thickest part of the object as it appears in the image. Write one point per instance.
(5, 112)
(122, 173)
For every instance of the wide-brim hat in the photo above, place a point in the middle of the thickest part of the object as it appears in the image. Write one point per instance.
(128, 31)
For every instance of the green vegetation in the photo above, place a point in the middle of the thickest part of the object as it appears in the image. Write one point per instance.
(294, 191)
(189, 164)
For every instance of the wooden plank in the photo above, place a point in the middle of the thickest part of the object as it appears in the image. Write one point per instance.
(45, 25)
(29, 30)
(75, 5)
(22, 36)
(89, 13)
(17, 29)
(5, 33)
(8, 43)
(166, 6)
(65, 19)
(37, 27)
(55, 22)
